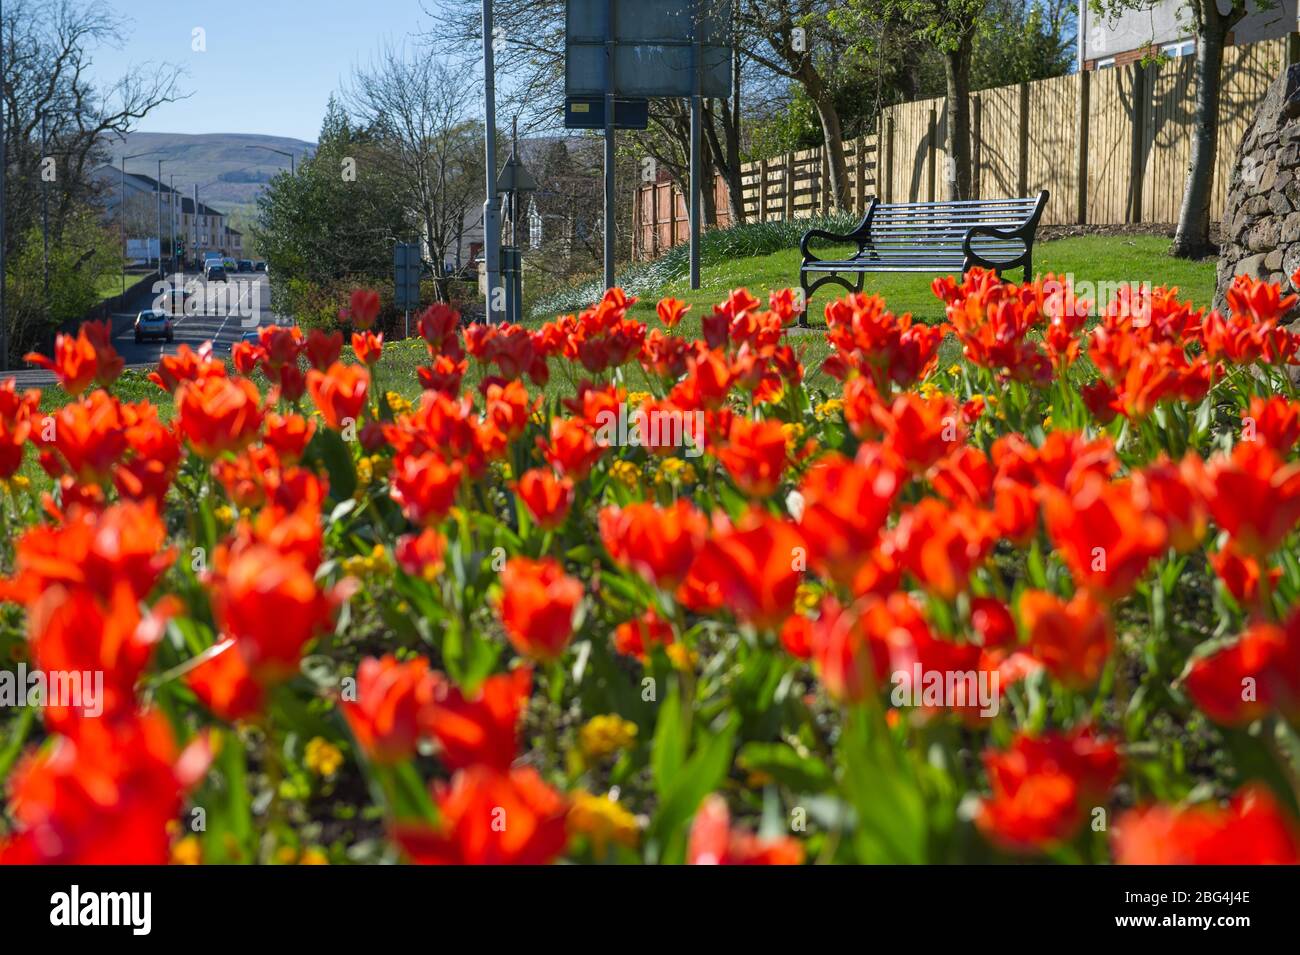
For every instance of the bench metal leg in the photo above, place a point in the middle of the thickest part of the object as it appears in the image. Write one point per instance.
(803, 284)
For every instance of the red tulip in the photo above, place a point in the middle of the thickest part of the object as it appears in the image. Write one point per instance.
(537, 604)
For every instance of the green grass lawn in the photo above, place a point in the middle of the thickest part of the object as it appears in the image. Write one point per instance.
(1129, 259)
(110, 285)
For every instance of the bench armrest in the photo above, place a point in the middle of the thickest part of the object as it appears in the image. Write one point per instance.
(823, 234)
(993, 233)
(860, 235)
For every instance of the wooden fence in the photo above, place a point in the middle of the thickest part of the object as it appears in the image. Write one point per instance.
(1112, 146)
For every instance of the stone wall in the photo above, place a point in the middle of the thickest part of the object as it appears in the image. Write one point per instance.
(1261, 217)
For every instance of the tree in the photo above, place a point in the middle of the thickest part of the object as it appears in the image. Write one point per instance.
(949, 27)
(800, 40)
(333, 223)
(421, 114)
(1211, 26)
(49, 50)
(79, 262)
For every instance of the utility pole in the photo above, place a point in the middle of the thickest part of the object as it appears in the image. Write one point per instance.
(492, 204)
(45, 215)
(697, 56)
(121, 215)
(160, 229)
(610, 33)
(4, 337)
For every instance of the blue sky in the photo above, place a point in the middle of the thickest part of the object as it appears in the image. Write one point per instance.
(270, 65)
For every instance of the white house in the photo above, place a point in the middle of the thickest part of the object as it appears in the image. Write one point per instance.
(1166, 27)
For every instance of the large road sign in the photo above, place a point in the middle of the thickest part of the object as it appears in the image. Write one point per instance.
(652, 47)
(406, 275)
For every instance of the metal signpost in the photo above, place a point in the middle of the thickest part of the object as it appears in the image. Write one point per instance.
(631, 49)
(406, 279)
(492, 204)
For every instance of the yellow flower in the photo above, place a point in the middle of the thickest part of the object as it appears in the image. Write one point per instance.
(954, 369)
(365, 472)
(322, 757)
(681, 656)
(793, 435)
(605, 735)
(603, 820)
(627, 473)
(806, 597)
(929, 389)
(286, 855)
(378, 562)
(18, 482)
(224, 514)
(673, 470)
(354, 566)
(396, 403)
(828, 408)
(313, 857)
(1047, 422)
(638, 398)
(187, 851)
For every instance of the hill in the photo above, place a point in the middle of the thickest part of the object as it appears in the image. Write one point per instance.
(230, 176)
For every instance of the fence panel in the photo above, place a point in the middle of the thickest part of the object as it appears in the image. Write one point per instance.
(1051, 145)
(1112, 147)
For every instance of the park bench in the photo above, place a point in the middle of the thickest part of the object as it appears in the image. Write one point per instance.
(937, 237)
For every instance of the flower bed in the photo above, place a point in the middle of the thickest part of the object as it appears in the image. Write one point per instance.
(1042, 604)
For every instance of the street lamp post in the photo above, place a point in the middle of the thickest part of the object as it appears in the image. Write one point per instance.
(4, 340)
(492, 203)
(293, 168)
(158, 182)
(45, 216)
(121, 213)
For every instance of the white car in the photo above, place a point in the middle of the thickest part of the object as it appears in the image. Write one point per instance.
(153, 324)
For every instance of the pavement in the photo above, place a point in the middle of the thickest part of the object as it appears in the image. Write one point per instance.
(225, 314)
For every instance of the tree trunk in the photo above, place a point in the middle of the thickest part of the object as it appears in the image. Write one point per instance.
(731, 134)
(1192, 238)
(708, 180)
(832, 133)
(957, 172)
(726, 158)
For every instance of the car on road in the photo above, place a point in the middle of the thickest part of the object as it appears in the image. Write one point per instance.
(259, 266)
(245, 265)
(215, 273)
(153, 324)
(230, 265)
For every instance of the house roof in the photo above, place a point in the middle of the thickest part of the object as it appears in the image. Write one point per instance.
(149, 183)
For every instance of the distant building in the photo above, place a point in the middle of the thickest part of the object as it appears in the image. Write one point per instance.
(198, 228)
(1166, 28)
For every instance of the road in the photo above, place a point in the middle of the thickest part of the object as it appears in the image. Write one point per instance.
(224, 315)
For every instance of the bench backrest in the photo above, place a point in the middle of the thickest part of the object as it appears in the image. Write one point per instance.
(903, 222)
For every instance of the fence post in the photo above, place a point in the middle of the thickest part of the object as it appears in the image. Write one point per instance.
(1081, 146)
(933, 156)
(860, 177)
(1139, 136)
(654, 220)
(976, 143)
(788, 186)
(823, 179)
(637, 199)
(1022, 174)
(889, 159)
(762, 190)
